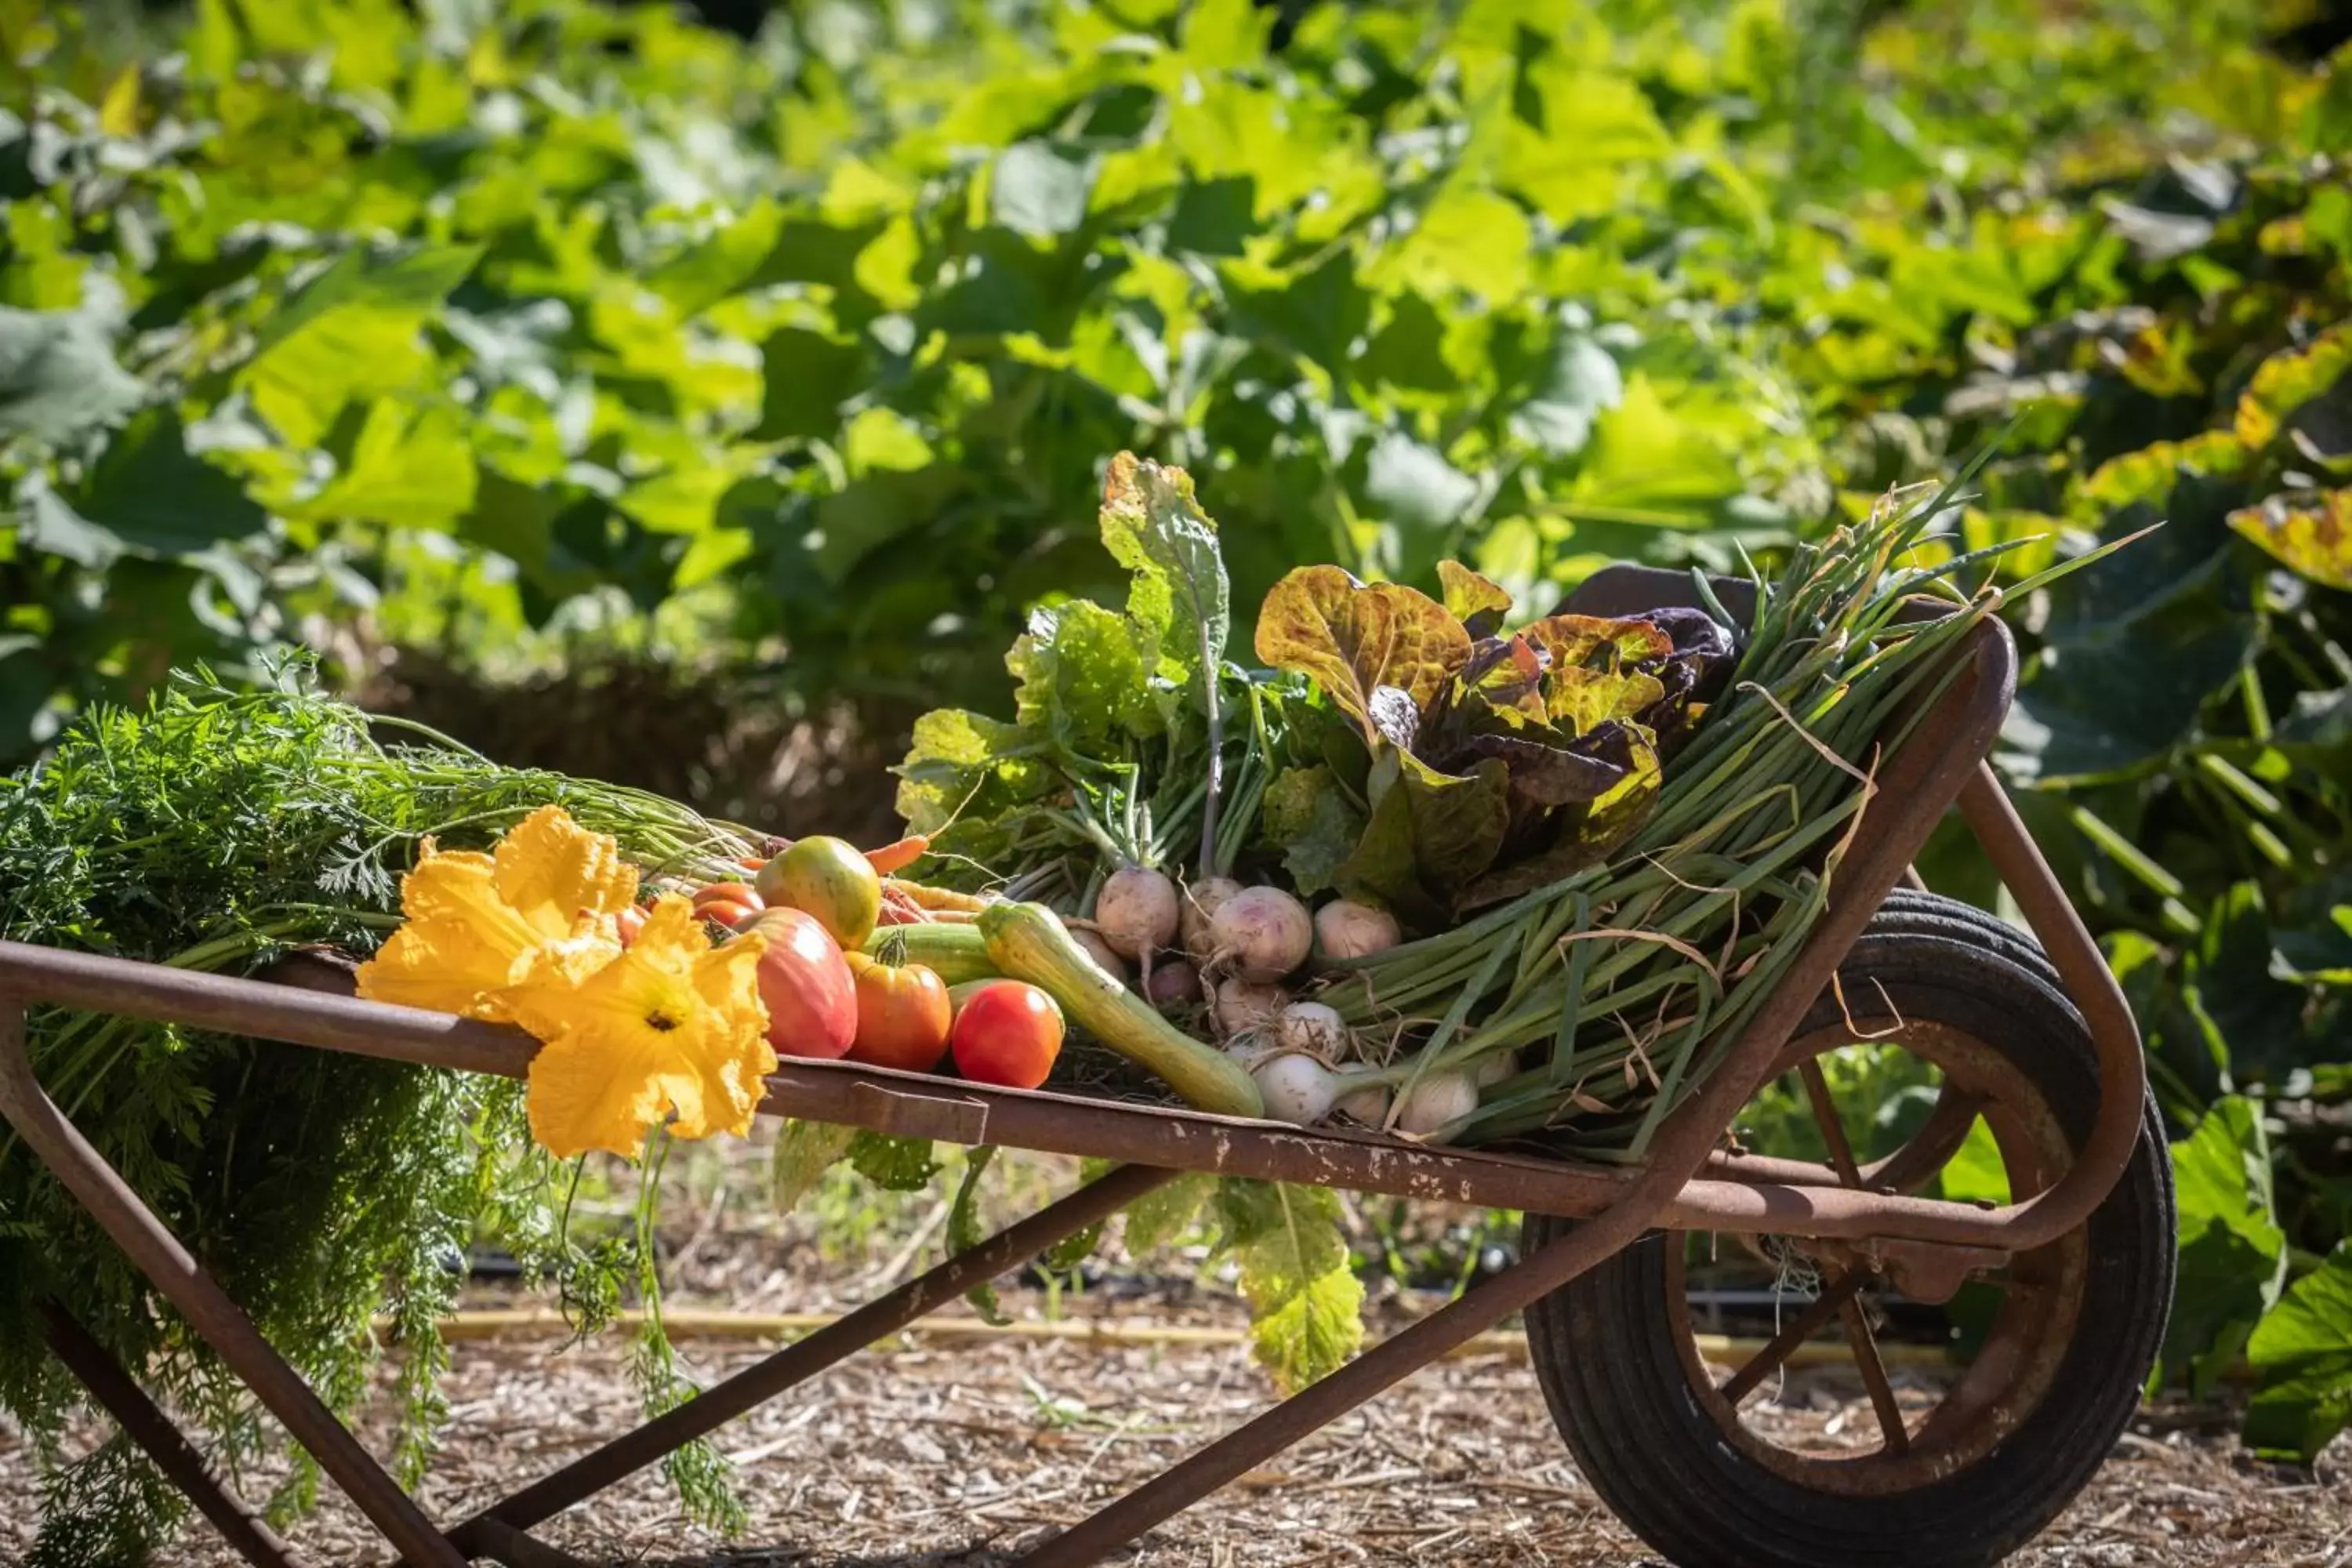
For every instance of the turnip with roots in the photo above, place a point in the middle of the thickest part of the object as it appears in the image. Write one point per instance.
(1202, 901)
(1245, 1005)
(1345, 929)
(1136, 911)
(1261, 933)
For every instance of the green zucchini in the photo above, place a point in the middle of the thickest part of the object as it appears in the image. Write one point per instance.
(953, 950)
(1028, 942)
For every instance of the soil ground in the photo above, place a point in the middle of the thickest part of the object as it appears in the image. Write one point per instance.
(960, 1447)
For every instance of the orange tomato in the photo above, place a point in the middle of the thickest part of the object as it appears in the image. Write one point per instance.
(1007, 1033)
(903, 1016)
(728, 913)
(729, 893)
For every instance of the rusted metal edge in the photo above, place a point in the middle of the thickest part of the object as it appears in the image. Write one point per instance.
(804, 1359)
(914, 1105)
(239, 1522)
(151, 1248)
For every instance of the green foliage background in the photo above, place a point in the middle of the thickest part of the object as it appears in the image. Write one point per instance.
(515, 335)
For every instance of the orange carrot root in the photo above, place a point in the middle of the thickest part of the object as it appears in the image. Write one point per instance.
(937, 899)
(899, 856)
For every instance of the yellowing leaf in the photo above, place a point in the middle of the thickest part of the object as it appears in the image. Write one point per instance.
(2286, 381)
(2310, 531)
(2148, 475)
(1352, 638)
(118, 115)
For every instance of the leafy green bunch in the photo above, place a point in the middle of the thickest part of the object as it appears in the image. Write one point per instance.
(1132, 741)
(219, 830)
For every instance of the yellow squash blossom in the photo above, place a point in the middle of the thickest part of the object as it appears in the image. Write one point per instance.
(671, 1026)
(476, 924)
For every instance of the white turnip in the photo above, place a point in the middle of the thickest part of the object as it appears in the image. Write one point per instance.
(1312, 1028)
(1202, 900)
(1244, 1005)
(1345, 929)
(1437, 1100)
(1492, 1070)
(1296, 1088)
(1136, 911)
(1261, 933)
(1369, 1105)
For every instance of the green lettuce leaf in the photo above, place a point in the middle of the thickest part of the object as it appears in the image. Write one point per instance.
(1085, 677)
(1429, 834)
(1309, 818)
(1178, 597)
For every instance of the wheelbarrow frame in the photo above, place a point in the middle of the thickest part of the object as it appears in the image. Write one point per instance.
(1687, 1182)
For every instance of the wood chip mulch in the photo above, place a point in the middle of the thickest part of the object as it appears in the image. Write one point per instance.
(960, 1452)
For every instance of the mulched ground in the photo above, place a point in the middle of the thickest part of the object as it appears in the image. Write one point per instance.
(957, 1451)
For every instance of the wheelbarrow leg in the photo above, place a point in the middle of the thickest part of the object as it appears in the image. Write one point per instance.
(186, 1283)
(804, 1358)
(1389, 1363)
(163, 1443)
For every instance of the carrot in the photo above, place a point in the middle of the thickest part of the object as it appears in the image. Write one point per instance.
(899, 856)
(937, 898)
(897, 909)
(752, 862)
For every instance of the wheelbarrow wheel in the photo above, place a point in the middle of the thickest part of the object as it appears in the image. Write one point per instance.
(1709, 1471)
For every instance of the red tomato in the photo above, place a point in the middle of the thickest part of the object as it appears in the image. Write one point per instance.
(1007, 1033)
(804, 980)
(632, 921)
(902, 1015)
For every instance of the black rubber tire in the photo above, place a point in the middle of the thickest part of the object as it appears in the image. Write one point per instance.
(1616, 1383)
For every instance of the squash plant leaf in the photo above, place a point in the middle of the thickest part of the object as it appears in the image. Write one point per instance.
(963, 1232)
(897, 1164)
(2301, 1357)
(1306, 1302)
(2233, 1252)
(804, 1152)
(2309, 531)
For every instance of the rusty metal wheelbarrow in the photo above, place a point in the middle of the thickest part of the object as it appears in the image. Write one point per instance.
(2070, 1277)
